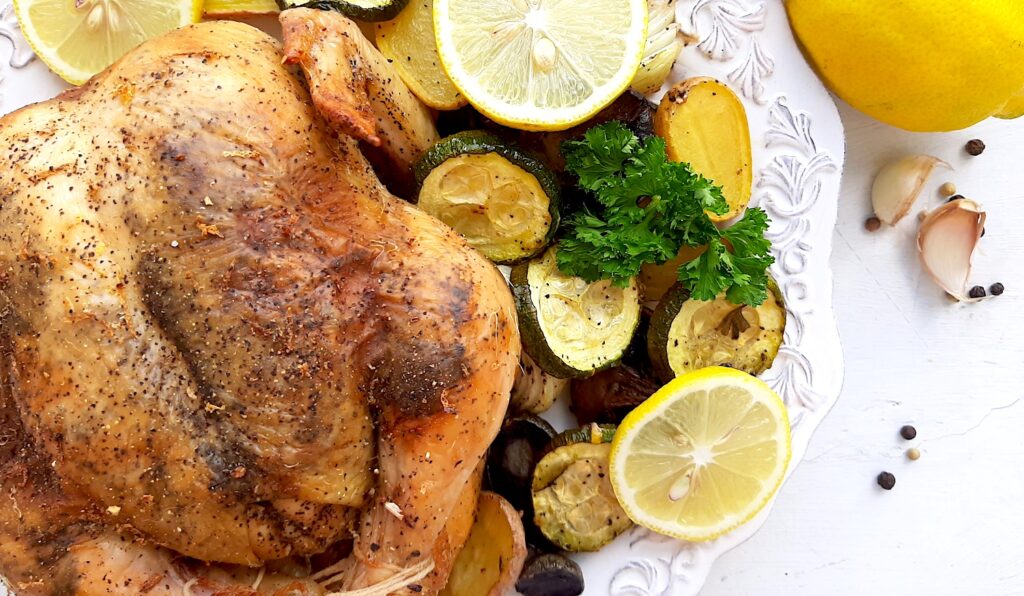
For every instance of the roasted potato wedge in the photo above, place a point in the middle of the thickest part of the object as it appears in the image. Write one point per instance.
(215, 9)
(704, 124)
(493, 557)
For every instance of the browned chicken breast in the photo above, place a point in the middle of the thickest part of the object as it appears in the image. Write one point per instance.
(223, 340)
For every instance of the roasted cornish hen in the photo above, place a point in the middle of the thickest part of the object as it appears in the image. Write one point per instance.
(222, 339)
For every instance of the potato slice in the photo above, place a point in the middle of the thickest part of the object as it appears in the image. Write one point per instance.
(455, 533)
(704, 124)
(657, 279)
(238, 8)
(494, 554)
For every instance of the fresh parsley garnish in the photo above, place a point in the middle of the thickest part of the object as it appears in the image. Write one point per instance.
(651, 207)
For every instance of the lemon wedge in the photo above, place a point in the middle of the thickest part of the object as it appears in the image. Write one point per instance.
(540, 65)
(407, 41)
(79, 38)
(703, 455)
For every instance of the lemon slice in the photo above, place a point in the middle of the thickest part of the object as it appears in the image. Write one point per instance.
(540, 65)
(79, 38)
(407, 41)
(703, 455)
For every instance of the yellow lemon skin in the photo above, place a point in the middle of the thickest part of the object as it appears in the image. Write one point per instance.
(920, 65)
(1013, 108)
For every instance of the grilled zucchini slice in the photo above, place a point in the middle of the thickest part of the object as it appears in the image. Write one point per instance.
(573, 501)
(572, 328)
(363, 10)
(687, 334)
(504, 202)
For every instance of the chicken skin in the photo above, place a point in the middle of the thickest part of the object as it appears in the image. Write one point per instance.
(222, 339)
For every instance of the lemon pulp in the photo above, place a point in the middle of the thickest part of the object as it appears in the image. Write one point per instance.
(540, 65)
(703, 455)
(79, 38)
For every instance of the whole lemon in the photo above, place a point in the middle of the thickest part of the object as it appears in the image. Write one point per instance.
(922, 65)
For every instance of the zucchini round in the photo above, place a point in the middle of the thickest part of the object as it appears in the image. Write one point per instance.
(687, 335)
(572, 328)
(363, 10)
(504, 202)
(573, 500)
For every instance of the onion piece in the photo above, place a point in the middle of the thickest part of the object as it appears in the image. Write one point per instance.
(946, 241)
(898, 185)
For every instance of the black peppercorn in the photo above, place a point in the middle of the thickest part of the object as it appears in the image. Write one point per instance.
(872, 224)
(977, 292)
(886, 480)
(908, 432)
(974, 147)
(996, 289)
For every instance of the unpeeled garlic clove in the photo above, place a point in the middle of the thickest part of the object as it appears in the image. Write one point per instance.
(946, 241)
(898, 184)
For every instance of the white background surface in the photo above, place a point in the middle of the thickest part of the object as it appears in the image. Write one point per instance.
(954, 523)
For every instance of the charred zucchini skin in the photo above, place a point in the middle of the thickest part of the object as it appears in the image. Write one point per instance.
(534, 342)
(385, 12)
(605, 433)
(661, 324)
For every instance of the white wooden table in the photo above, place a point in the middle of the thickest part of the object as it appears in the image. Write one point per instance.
(954, 523)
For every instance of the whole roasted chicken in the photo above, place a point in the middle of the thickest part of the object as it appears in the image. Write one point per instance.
(232, 361)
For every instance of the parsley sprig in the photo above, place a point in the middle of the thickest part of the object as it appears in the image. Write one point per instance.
(651, 207)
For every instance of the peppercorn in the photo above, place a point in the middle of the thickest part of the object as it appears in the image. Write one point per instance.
(908, 432)
(977, 292)
(996, 289)
(954, 198)
(886, 480)
(872, 224)
(947, 189)
(913, 454)
(974, 147)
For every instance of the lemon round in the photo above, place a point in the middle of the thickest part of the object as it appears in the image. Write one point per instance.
(407, 41)
(920, 65)
(702, 455)
(79, 38)
(540, 65)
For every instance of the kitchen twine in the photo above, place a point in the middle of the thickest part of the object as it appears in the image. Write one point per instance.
(336, 573)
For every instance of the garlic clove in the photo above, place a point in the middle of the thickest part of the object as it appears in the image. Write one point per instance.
(946, 241)
(898, 184)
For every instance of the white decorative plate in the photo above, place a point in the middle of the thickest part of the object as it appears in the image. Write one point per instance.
(798, 156)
